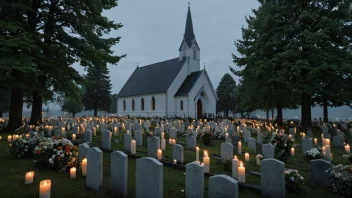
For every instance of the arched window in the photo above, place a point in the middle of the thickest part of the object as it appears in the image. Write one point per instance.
(153, 104)
(124, 105)
(142, 104)
(132, 104)
(181, 105)
(194, 54)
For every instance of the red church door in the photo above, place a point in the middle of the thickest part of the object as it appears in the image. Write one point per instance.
(199, 109)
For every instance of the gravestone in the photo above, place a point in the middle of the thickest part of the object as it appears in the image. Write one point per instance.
(246, 135)
(106, 139)
(56, 131)
(307, 144)
(173, 133)
(149, 178)
(268, 151)
(119, 167)
(62, 131)
(153, 146)
(252, 144)
(88, 136)
(82, 151)
(259, 137)
(137, 127)
(292, 133)
(226, 150)
(309, 133)
(127, 138)
(75, 130)
(94, 177)
(191, 142)
(272, 178)
(157, 131)
(181, 128)
(338, 141)
(319, 174)
(222, 186)
(139, 138)
(234, 140)
(194, 180)
(177, 152)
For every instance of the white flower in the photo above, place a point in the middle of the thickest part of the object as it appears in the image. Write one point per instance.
(285, 145)
(51, 161)
(58, 153)
(53, 156)
(62, 155)
(302, 178)
(292, 178)
(45, 147)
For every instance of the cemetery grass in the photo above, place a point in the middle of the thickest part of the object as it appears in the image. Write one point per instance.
(12, 173)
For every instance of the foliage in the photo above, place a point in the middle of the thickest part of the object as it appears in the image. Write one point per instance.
(282, 145)
(113, 106)
(207, 136)
(4, 100)
(226, 94)
(227, 164)
(348, 157)
(341, 178)
(23, 146)
(71, 105)
(313, 154)
(293, 180)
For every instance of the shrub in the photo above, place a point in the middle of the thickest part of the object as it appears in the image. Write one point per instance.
(341, 178)
(282, 145)
(293, 180)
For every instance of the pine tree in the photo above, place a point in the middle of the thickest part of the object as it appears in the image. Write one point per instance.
(226, 95)
(97, 90)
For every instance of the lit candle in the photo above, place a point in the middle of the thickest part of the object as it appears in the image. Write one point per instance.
(323, 141)
(163, 144)
(242, 173)
(44, 189)
(62, 130)
(290, 136)
(0, 138)
(115, 130)
(197, 153)
(175, 161)
(330, 156)
(160, 154)
(173, 141)
(162, 135)
(73, 173)
(84, 167)
(246, 157)
(323, 150)
(133, 147)
(239, 147)
(29, 177)
(327, 142)
(94, 131)
(347, 148)
(14, 137)
(73, 136)
(315, 141)
(206, 162)
(258, 159)
(292, 151)
(303, 136)
(235, 167)
(170, 141)
(9, 138)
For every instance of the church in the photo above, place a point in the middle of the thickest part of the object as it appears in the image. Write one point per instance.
(176, 87)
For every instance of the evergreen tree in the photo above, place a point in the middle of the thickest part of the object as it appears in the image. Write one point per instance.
(4, 101)
(97, 90)
(226, 95)
(113, 106)
(72, 106)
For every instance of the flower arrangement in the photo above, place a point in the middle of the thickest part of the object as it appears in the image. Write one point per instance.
(282, 145)
(23, 146)
(207, 137)
(312, 154)
(293, 179)
(57, 152)
(341, 178)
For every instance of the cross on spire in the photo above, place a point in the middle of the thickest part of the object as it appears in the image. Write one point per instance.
(189, 4)
(204, 65)
(137, 64)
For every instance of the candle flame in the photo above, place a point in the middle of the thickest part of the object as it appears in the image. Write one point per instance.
(45, 183)
(235, 157)
(205, 154)
(241, 164)
(197, 148)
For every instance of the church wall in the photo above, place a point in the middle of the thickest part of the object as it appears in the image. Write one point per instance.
(160, 105)
(177, 105)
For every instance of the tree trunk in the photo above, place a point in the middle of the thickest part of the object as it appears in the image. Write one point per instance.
(325, 109)
(16, 107)
(306, 111)
(279, 113)
(73, 114)
(267, 114)
(272, 114)
(1, 114)
(227, 113)
(37, 107)
(95, 112)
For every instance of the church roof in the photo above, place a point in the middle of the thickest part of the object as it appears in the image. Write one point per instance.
(189, 82)
(154, 78)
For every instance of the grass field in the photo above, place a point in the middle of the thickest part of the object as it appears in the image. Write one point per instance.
(12, 173)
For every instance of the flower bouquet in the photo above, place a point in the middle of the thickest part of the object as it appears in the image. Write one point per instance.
(282, 145)
(23, 146)
(341, 178)
(293, 180)
(313, 154)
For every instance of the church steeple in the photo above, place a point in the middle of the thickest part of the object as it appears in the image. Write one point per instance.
(189, 33)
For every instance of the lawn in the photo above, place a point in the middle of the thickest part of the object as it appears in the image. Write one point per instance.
(13, 171)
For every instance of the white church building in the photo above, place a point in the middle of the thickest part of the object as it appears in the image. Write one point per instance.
(176, 87)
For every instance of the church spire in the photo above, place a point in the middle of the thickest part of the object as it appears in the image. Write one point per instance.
(189, 33)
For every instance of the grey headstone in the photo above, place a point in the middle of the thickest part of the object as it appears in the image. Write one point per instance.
(146, 125)
(106, 139)
(173, 133)
(137, 127)
(56, 130)
(307, 144)
(94, 177)
(309, 133)
(153, 146)
(194, 180)
(268, 151)
(338, 141)
(252, 144)
(259, 137)
(149, 178)
(272, 178)
(181, 128)
(177, 152)
(246, 135)
(88, 136)
(226, 150)
(319, 173)
(191, 142)
(75, 130)
(119, 167)
(157, 131)
(222, 186)
(127, 138)
(139, 138)
(82, 151)
(234, 140)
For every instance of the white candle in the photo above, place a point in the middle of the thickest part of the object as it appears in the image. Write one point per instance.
(235, 167)
(62, 130)
(197, 153)
(173, 141)
(162, 135)
(290, 136)
(323, 150)
(68, 127)
(84, 167)
(9, 138)
(73, 173)
(347, 148)
(115, 130)
(160, 154)
(315, 141)
(94, 131)
(292, 151)
(246, 157)
(327, 141)
(175, 161)
(44, 189)
(258, 159)
(163, 144)
(303, 136)
(206, 162)
(133, 147)
(170, 141)
(242, 173)
(29, 177)
(0, 138)
(73, 136)
(323, 141)
(239, 147)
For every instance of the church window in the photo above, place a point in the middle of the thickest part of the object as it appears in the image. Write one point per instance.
(142, 104)
(181, 105)
(184, 54)
(194, 54)
(124, 105)
(153, 104)
(132, 104)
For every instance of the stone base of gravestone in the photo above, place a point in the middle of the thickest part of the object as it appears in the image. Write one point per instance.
(222, 186)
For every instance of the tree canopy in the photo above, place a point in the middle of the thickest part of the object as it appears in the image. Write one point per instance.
(226, 94)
